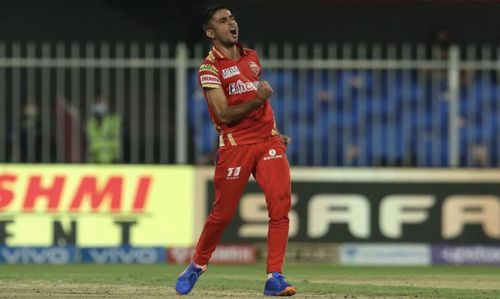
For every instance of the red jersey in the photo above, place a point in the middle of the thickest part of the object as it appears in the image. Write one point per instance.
(239, 80)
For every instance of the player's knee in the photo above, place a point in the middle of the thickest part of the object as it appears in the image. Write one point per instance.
(224, 221)
(280, 220)
(280, 206)
(220, 219)
(283, 199)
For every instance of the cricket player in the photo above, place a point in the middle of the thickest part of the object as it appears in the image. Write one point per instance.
(249, 144)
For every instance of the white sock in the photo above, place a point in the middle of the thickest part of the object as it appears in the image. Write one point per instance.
(203, 267)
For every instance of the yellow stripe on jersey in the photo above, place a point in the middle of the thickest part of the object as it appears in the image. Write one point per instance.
(221, 140)
(210, 57)
(209, 68)
(231, 139)
(208, 85)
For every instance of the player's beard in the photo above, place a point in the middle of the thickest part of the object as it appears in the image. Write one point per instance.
(229, 41)
(227, 44)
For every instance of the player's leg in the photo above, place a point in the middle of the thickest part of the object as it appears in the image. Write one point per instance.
(233, 169)
(273, 175)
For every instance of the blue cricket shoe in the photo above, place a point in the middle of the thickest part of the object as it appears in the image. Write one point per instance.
(277, 286)
(187, 279)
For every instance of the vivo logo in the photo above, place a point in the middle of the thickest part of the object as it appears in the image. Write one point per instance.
(123, 255)
(34, 255)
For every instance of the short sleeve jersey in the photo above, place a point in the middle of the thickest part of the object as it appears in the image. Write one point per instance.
(239, 80)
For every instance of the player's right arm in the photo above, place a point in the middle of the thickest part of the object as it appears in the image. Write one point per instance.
(232, 114)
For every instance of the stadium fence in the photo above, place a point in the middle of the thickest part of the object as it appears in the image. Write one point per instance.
(343, 105)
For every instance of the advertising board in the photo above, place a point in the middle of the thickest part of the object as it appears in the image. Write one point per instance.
(94, 205)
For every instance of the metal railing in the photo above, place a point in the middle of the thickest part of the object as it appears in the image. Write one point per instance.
(343, 105)
(47, 92)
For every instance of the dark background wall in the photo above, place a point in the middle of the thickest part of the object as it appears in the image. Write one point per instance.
(260, 20)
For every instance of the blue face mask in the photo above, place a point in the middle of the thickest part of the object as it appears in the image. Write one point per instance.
(100, 109)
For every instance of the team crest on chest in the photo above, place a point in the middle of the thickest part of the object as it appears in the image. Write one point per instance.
(254, 68)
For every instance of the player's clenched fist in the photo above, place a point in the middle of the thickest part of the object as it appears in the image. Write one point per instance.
(264, 90)
(286, 140)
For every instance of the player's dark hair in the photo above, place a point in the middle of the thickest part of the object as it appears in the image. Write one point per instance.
(208, 14)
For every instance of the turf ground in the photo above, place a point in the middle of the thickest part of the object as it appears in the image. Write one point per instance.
(312, 281)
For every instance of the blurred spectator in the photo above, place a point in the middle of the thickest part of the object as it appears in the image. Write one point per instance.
(440, 43)
(68, 126)
(103, 133)
(30, 140)
(351, 154)
(480, 155)
(324, 96)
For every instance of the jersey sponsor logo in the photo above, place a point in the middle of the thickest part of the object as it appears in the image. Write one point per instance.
(254, 68)
(240, 87)
(229, 72)
(272, 155)
(233, 173)
(209, 68)
(209, 79)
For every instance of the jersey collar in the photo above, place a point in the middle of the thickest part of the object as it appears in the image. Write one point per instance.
(218, 54)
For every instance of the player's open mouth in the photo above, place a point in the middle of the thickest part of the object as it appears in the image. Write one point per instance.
(234, 32)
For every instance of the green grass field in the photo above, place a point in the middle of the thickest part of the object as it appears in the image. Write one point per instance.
(312, 280)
